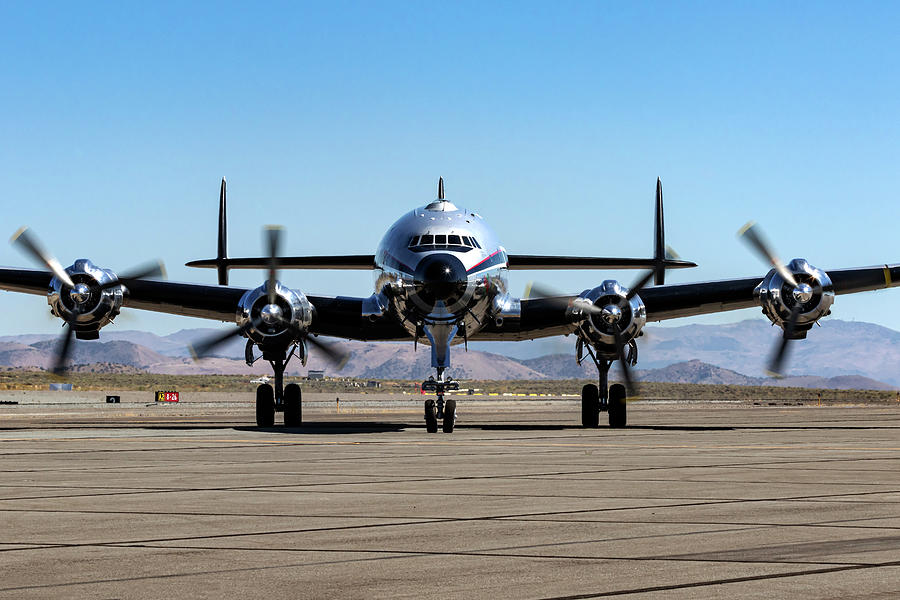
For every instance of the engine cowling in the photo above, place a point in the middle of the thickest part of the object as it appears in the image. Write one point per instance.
(814, 293)
(605, 309)
(86, 307)
(280, 324)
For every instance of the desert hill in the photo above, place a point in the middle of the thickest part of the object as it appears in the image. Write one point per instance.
(840, 355)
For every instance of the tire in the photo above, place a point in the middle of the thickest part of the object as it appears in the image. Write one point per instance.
(265, 406)
(590, 406)
(430, 417)
(449, 416)
(618, 408)
(293, 406)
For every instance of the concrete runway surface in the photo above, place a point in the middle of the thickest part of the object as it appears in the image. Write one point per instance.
(690, 501)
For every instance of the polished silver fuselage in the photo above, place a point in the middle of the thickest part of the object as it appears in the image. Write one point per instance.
(480, 282)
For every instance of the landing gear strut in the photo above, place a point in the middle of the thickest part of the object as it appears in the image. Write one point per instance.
(445, 411)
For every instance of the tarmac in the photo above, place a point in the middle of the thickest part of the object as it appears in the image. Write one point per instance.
(691, 500)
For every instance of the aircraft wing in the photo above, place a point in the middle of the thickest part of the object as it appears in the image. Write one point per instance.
(333, 316)
(543, 317)
(533, 262)
(347, 262)
(540, 317)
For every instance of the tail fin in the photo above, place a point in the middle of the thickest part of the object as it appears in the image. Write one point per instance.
(659, 239)
(222, 254)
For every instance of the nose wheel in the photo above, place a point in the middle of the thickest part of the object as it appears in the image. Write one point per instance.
(447, 416)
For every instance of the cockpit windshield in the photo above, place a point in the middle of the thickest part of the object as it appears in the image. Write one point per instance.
(442, 241)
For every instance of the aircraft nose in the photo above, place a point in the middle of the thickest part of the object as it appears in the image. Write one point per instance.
(441, 277)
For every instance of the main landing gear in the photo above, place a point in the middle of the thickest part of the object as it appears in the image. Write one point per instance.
(439, 410)
(603, 398)
(282, 398)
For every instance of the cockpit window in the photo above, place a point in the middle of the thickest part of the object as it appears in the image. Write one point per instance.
(442, 241)
(475, 243)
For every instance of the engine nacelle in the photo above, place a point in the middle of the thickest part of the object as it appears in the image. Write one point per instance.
(605, 309)
(279, 326)
(86, 307)
(814, 293)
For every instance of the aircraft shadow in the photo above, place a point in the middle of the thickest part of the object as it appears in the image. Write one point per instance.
(546, 427)
(331, 427)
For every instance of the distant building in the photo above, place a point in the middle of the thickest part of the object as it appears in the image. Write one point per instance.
(315, 375)
(373, 384)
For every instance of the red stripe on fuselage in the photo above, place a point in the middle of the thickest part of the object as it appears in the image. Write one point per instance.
(484, 261)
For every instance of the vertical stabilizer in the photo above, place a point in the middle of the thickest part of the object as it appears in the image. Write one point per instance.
(659, 239)
(222, 253)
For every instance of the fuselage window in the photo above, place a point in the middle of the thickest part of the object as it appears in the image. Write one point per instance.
(440, 239)
(454, 240)
(427, 240)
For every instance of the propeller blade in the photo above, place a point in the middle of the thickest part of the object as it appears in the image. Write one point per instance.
(751, 234)
(28, 243)
(146, 271)
(202, 349)
(639, 285)
(535, 289)
(151, 269)
(776, 364)
(561, 300)
(334, 354)
(63, 348)
(538, 290)
(273, 239)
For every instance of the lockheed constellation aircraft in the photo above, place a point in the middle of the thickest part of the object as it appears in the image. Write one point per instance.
(441, 280)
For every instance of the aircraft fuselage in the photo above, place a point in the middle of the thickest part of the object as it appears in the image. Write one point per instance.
(440, 268)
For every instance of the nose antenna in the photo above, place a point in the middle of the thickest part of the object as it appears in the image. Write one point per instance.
(440, 188)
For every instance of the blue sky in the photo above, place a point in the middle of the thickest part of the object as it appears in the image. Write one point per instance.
(553, 120)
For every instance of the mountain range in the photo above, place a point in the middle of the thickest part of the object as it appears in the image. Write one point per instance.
(840, 354)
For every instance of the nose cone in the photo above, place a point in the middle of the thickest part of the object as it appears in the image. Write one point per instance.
(441, 277)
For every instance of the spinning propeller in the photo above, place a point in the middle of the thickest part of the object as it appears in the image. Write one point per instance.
(801, 293)
(80, 294)
(271, 314)
(611, 314)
